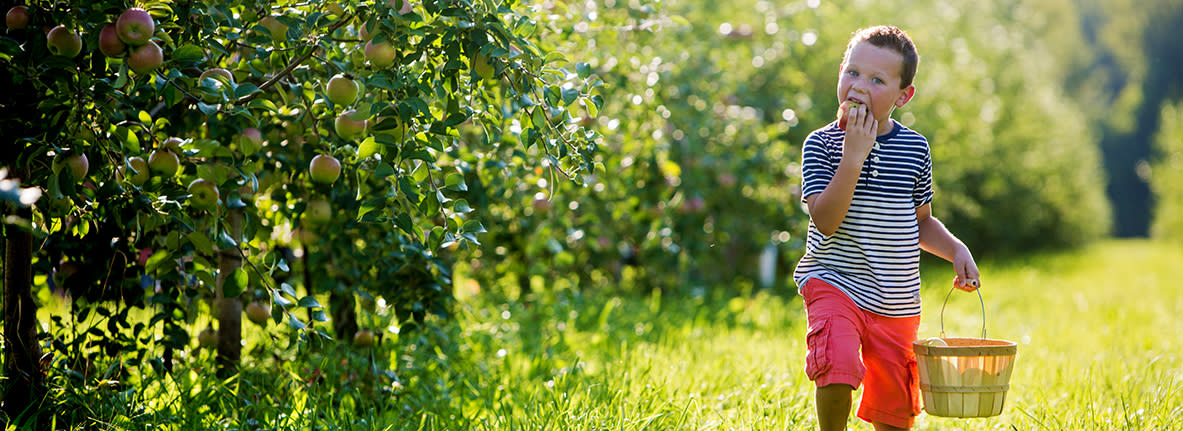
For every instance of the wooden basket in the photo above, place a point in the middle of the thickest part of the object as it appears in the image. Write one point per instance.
(969, 377)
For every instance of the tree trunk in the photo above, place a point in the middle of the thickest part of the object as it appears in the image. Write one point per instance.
(229, 309)
(23, 370)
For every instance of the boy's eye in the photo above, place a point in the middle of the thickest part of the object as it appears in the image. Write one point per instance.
(852, 73)
(877, 81)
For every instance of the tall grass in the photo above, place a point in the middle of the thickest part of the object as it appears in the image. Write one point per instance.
(1098, 333)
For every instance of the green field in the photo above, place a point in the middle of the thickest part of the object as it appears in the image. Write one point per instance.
(1098, 333)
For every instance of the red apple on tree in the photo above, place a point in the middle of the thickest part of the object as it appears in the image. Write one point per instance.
(109, 42)
(204, 194)
(164, 162)
(324, 169)
(17, 18)
(145, 58)
(64, 42)
(381, 55)
(342, 90)
(350, 125)
(135, 26)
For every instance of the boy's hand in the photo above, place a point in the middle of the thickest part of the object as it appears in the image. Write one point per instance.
(967, 278)
(860, 133)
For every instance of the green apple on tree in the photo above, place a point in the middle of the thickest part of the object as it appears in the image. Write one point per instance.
(109, 43)
(318, 211)
(250, 141)
(217, 71)
(350, 125)
(363, 338)
(204, 194)
(164, 162)
(258, 313)
(276, 29)
(64, 42)
(342, 90)
(76, 162)
(208, 338)
(139, 174)
(483, 66)
(17, 18)
(145, 58)
(324, 169)
(135, 26)
(381, 55)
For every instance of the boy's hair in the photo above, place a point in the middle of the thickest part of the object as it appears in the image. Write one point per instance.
(890, 37)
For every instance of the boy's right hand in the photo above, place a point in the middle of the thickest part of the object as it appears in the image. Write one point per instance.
(860, 132)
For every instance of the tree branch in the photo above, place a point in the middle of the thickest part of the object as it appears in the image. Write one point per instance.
(292, 66)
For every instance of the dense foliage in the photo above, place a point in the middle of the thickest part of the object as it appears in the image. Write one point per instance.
(1166, 175)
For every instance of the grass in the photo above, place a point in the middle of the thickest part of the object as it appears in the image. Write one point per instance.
(1098, 333)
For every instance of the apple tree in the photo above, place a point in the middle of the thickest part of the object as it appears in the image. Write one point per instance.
(196, 156)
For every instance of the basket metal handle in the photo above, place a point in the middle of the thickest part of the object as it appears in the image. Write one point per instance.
(980, 303)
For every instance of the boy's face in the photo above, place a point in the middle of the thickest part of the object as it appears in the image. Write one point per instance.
(871, 75)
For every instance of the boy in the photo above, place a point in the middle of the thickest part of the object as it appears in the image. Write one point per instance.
(868, 190)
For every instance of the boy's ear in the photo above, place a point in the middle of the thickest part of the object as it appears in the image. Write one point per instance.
(905, 96)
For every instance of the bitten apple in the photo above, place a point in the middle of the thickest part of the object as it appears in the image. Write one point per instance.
(843, 110)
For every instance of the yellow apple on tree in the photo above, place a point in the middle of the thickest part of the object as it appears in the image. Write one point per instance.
(324, 169)
(76, 162)
(64, 42)
(483, 67)
(276, 29)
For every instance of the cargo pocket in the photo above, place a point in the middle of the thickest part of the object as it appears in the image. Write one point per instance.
(817, 356)
(914, 387)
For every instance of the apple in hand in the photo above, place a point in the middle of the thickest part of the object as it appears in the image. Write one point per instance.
(843, 113)
(324, 169)
(164, 162)
(204, 194)
(64, 42)
(342, 90)
(145, 58)
(109, 42)
(135, 26)
(381, 55)
(17, 18)
(348, 126)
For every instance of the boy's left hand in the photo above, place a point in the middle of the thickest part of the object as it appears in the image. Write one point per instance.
(967, 278)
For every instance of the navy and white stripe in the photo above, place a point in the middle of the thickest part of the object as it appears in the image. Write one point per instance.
(874, 256)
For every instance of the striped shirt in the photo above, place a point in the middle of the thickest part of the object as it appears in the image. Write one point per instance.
(874, 256)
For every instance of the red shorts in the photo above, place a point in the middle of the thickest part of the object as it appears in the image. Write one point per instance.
(886, 366)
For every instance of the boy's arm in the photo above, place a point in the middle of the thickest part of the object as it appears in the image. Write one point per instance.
(936, 239)
(828, 208)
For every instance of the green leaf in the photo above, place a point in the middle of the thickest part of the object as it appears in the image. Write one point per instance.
(188, 53)
(235, 283)
(201, 242)
(245, 90)
(309, 302)
(455, 181)
(583, 69)
(474, 226)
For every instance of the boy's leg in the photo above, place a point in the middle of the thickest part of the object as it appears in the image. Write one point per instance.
(891, 398)
(832, 361)
(833, 406)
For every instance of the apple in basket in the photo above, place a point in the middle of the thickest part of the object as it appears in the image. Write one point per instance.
(935, 341)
